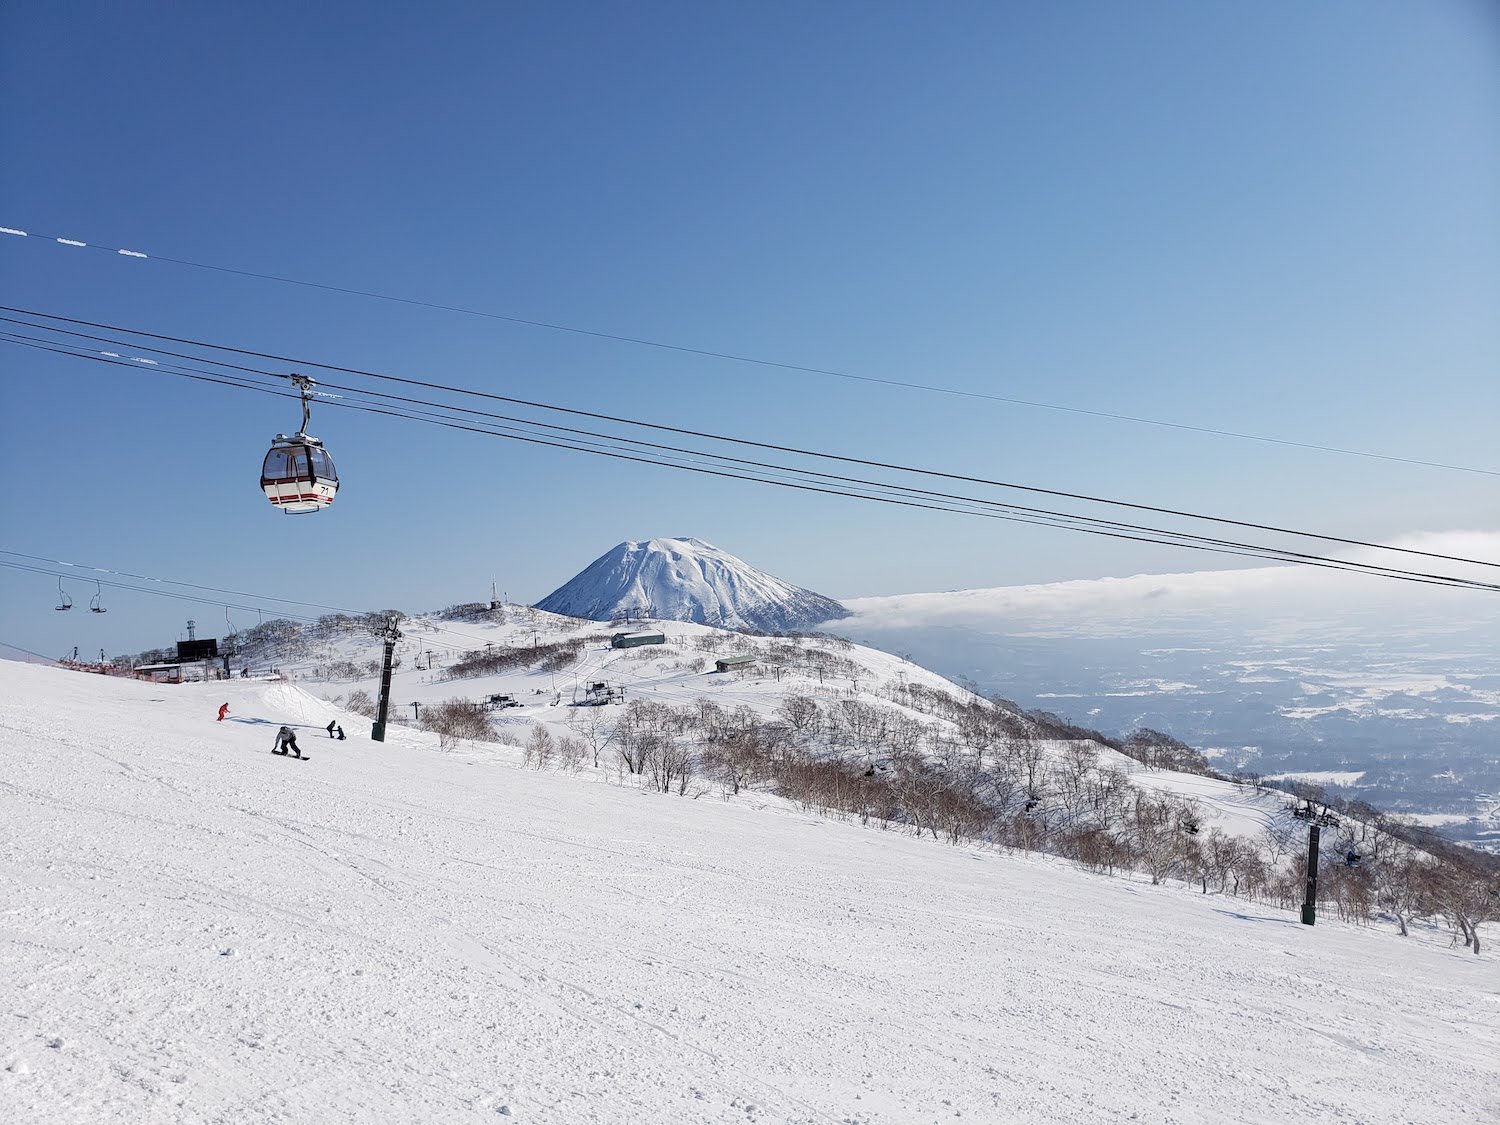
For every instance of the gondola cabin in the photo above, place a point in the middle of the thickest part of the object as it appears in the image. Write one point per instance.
(298, 474)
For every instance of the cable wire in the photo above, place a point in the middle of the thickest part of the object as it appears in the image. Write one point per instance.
(949, 502)
(793, 450)
(734, 357)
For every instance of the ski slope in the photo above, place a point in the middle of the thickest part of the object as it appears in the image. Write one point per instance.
(194, 930)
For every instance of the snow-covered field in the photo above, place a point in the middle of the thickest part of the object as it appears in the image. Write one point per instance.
(193, 930)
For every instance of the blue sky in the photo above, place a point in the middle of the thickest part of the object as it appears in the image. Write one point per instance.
(1277, 218)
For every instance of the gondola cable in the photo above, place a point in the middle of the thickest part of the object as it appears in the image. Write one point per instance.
(793, 450)
(745, 359)
(1069, 521)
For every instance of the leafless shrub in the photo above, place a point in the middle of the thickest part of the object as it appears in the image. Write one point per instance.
(571, 754)
(1095, 848)
(561, 656)
(457, 720)
(646, 653)
(491, 659)
(1161, 751)
(475, 612)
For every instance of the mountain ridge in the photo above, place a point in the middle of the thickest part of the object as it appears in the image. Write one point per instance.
(683, 578)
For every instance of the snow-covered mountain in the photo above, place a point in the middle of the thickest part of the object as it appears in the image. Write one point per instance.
(688, 580)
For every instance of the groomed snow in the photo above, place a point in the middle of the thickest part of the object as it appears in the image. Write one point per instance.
(193, 930)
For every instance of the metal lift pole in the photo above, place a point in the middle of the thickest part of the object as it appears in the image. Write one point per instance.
(1310, 907)
(390, 634)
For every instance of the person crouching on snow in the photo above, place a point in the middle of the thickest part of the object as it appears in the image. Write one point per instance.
(286, 739)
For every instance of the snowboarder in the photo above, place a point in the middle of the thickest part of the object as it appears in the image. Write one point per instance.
(286, 739)
(334, 726)
(223, 710)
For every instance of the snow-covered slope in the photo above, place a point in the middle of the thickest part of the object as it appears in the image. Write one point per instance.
(688, 580)
(836, 675)
(194, 930)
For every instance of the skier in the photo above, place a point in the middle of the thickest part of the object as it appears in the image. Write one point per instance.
(286, 739)
(223, 710)
(334, 726)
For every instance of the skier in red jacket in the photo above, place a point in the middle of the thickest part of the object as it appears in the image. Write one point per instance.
(223, 710)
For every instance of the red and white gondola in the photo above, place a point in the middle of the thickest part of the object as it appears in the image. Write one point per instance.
(298, 475)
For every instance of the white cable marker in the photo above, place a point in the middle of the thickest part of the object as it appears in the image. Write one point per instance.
(131, 253)
(71, 242)
(12, 230)
(141, 359)
(116, 355)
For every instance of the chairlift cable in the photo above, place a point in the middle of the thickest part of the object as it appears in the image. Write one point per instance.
(227, 606)
(154, 593)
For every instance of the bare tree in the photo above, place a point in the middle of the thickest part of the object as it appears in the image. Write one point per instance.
(1155, 835)
(668, 763)
(539, 748)
(1402, 888)
(593, 728)
(1466, 894)
(570, 754)
(866, 723)
(1283, 836)
(737, 759)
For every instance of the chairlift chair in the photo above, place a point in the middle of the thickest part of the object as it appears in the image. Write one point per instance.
(297, 475)
(95, 605)
(63, 601)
